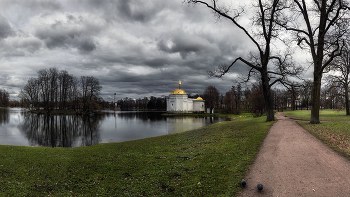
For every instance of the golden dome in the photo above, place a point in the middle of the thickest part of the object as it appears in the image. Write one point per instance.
(178, 91)
(199, 98)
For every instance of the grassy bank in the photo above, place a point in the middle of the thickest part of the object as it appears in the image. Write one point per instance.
(325, 115)
(228, 116)
(334, 131)
(209, 161)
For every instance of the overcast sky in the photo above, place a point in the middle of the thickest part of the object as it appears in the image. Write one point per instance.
(136, 48)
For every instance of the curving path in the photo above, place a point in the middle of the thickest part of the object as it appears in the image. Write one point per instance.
(292, 162)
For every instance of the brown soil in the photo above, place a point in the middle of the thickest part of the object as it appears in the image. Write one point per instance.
(292, 162)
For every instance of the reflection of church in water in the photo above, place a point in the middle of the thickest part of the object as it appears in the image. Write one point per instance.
(178, 102)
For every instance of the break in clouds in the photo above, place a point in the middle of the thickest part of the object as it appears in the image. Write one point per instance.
(136, 48)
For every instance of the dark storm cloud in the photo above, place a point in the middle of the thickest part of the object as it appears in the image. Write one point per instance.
(136, 10)
(185, 44)
(126, 12)
(157, 62)
(74, 32)
(47, 4)
(136, 48)
(86, 45)
(34, 4)
(5, 28)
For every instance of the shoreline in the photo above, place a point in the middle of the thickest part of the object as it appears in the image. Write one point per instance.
(207, 161)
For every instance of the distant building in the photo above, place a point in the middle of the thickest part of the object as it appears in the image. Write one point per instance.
(178, 102)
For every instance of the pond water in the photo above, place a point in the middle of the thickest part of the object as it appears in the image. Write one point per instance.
(18, 127)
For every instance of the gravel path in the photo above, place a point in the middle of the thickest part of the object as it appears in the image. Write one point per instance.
(292, 162)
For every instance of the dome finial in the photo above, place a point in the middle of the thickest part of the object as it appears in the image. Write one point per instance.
(179, 84)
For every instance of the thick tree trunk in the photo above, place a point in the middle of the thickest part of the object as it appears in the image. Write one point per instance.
(315, 107)
(347, 100)
(268, 99)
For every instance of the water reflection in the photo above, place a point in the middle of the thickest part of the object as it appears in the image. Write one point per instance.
(179, 124)
(143, 116)
(19, 127)
(61, 131)
(5, 116)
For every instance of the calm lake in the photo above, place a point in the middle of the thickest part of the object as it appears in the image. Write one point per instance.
(18, 127)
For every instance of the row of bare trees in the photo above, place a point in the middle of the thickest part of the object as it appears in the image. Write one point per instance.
(151, 103)
(4, 98)
(316, 26)
(251, 100)
(295, 97)
(54, 89)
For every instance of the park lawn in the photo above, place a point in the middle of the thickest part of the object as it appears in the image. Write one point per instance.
(334, 131)
(334, 134)
(209, 161)
(325, 115)
(227, 116)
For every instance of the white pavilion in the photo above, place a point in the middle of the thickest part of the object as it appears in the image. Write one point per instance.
(178, 102)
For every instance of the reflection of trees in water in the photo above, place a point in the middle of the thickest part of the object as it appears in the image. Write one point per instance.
(4, 116)
(144, 116)
(61, 131)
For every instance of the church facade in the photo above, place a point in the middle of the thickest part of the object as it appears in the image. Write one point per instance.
(178, 102)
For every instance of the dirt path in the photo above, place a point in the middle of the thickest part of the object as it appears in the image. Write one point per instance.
(292, 162)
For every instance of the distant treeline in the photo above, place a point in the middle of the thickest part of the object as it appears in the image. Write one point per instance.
(151, 103)
(4, 98)
(54, 89)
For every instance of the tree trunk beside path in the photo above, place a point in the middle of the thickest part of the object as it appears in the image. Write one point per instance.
(292, 162)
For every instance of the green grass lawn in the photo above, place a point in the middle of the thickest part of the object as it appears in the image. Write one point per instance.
(335, 131)
(209, 161)
(334, 134)
(228, 116)
(325, 115)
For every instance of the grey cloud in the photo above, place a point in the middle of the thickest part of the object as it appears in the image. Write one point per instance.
(19, 46)
(48, 4)
(34, 4)
(185, 44)
(123, 10)
(86, 45)
(167, 40)
(157, 62)
(5, 28)
(31, 45)
(142, 15)
(66, 34)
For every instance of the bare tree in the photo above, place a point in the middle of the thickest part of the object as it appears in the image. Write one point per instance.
(4, 98)
(333, 97)
(323, 25)
(211, 97)
(256, 100)
(228, 101)
(305, 93)
(64, 84)
(237, 94)
(30, 93)
(44, 86)
(91, 88)
(341, 78)
(54, 89)
(271, 68)
(280, 98)
(293, 91)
